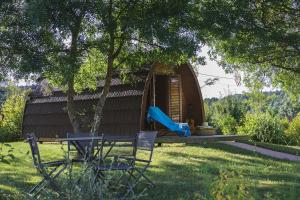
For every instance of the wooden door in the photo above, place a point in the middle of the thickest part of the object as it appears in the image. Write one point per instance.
(175, 98)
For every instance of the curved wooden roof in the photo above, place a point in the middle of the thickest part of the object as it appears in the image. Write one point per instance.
(124, 110)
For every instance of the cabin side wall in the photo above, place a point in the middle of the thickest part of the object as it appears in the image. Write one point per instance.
(193, 106)
(121, 115)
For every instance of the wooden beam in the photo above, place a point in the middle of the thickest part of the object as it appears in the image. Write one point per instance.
(201, 139)
(187, 140)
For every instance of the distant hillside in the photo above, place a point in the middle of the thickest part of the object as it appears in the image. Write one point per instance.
(244, 96)
(278, 103)
(214, 99)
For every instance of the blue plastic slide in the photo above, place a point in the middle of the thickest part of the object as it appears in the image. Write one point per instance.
(182, 129)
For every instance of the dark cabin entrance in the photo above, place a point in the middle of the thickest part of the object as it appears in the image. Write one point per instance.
(161, 98)
(165, 93)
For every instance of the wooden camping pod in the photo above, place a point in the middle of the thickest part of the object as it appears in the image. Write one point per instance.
(174, 89)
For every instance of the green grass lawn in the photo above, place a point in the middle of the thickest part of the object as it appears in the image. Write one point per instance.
(208, 171)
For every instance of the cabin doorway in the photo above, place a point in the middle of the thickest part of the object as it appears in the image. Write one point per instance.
(168, 96)
(165, 93)
(161, 92)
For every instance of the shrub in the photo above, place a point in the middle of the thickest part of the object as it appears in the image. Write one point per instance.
(12, 110)
(293, 131)
(264, 127)
(226, 114)
(227, 124)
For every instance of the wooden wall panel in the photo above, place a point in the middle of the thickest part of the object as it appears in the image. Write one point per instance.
(193, 102)
(175, 98)
(48, 120)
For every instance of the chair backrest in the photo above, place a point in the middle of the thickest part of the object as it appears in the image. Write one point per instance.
(146, 140)
(32, 140)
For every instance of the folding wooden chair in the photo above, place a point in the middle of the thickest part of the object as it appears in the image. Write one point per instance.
(49, 170)
(144, 142)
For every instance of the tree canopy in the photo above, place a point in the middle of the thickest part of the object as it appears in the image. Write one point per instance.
(259, 37)
(102, 39)
(20, 47)
(76, 43)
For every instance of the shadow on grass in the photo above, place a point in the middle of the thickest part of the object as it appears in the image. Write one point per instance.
(197, 178)
(188, 172)
(14, 181)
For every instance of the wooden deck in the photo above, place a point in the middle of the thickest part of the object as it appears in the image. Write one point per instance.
(201, 139)
(194, 139)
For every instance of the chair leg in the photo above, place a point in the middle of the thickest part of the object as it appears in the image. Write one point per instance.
(37, 188)
(59, 172)
(99, 175)
(120, 178)
(52, 183)
(47, 180)
(130, 186)
(137, 179)
(145, 177)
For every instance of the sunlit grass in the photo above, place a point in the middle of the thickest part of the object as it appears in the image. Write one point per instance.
(179, 171)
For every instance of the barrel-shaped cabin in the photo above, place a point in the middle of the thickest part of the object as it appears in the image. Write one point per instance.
(174, 89)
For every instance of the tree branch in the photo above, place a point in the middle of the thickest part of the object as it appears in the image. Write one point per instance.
(142, 41)
(295, 70)
(117, 52)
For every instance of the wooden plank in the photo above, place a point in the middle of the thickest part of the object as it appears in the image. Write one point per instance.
(174, 99)
(187, 140)
(201, 139)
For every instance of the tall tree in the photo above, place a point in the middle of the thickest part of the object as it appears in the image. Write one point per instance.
(139, 32)
(260, 37)
(124, 35)
(68, 28)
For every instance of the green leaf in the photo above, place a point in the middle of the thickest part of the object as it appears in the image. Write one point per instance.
(5, 161)
(11, 156)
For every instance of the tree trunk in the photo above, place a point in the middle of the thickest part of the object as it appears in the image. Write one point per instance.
(99, 108)
(71, 107)
(110, 64)
(72, 113)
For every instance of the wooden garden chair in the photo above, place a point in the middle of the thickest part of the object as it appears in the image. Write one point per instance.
(49, 170)
(145, 143)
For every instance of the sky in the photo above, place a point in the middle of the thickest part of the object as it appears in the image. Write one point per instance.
(224, 86)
